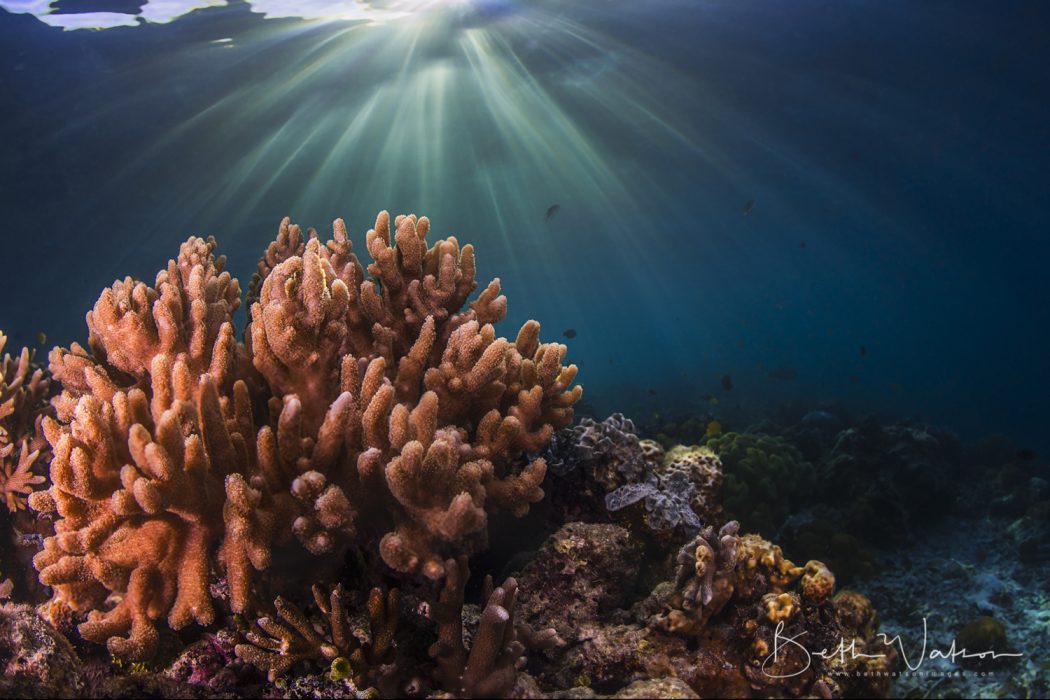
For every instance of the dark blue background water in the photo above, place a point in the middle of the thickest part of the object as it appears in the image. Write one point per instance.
(895, 152)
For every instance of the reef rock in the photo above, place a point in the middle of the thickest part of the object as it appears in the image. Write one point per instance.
(36, 661)
(581, 574)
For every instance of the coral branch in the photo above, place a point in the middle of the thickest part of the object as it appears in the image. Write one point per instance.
(277, 644)
(358, 411)
(23, 405)
(489, 669)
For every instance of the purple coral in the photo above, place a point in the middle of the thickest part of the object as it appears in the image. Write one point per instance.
(610, 455)
(667, 498)
(701, 560)
(607, 447)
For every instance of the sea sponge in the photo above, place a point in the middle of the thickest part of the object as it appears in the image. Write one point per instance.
(358, 410)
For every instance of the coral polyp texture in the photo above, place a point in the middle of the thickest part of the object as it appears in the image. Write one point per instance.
(23, 403)
(360, 409)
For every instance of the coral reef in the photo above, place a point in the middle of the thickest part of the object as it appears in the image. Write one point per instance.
(610, 451)
(24, 391)
(771, 597)
(370, 424)
(766, 479)
(669, 429)
(359, 410)
(844, 553)
(208, 663)
(712, 627)
(695, 474)
(582, 571)
(586, 610)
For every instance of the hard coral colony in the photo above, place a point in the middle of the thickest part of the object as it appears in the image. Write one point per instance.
(356, 409)
(377, 416)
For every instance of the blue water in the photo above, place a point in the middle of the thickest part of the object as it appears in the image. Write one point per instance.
(895, 153)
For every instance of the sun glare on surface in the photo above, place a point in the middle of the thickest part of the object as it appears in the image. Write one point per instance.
(164, 11)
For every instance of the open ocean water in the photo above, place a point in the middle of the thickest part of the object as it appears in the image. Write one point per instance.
(737, 214)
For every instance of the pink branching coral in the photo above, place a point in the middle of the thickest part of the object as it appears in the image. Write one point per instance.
(358, 409)
(23, 403)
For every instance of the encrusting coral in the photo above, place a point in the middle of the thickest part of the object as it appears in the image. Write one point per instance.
(358, 409)
(23, 404)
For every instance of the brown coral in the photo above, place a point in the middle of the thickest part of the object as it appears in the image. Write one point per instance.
(23, 403)
(358, 409)
(277, 643)
(490, 668)
(136, 489)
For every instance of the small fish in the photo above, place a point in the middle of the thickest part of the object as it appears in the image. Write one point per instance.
(1026, 455)
(727, 382)
(41, 337)
(801, 244)
(552, 210)
(610, 360)
(854, 379)
(740, 344)
(749, 206)
(653, 392)
(863, 351)
(714, 429)
(713, 400)
(570, 333)
(783, 374)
